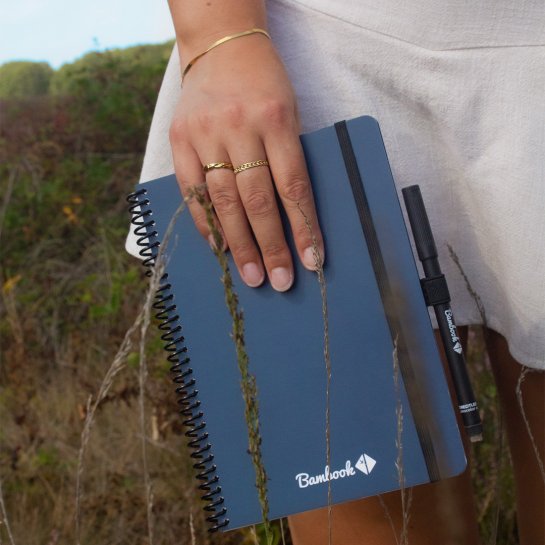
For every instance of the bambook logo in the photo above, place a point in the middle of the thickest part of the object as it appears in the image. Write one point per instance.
(453, 333)
(365, 464)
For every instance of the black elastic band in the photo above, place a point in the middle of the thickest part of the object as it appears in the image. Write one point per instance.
(381, 275)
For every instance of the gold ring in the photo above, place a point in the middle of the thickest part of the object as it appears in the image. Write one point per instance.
(210, 166)
(251, 164)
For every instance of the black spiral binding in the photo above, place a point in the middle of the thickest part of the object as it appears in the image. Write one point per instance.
(185, 383)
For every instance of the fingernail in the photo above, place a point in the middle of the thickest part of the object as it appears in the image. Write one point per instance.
(252, 275)
(309, 261)
(281, 278)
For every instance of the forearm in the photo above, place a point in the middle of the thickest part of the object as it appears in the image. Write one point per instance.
(198, 23)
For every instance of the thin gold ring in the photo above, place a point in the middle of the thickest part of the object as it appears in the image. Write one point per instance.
(210, 166)
(251, 164)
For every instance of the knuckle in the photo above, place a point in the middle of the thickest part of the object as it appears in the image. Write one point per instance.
(201, 121)
(204, 121)
(302, 233)
(233, 114)
(274, 250)
(177, 131)
(276, 112)
(225, 201)
(259, 203)
(244, 250)
(295, 188)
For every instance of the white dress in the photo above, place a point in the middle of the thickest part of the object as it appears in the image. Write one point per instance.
(458, 89)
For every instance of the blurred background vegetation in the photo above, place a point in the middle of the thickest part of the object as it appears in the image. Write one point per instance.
(71, 147)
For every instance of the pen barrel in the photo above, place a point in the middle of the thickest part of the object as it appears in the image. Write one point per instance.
(455, 358)
(427, 253)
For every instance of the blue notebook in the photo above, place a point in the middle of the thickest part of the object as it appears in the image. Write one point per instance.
(373, 297)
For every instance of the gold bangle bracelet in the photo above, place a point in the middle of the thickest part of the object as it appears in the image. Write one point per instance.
(221, 41)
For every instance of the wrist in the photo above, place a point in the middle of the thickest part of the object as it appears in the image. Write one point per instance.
(198, 24)
(195, 41)
(244, 40)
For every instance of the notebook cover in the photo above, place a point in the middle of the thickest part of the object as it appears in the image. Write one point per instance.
(284, 335)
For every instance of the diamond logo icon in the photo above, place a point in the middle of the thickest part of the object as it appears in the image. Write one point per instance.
(365, 464)
(457, 348)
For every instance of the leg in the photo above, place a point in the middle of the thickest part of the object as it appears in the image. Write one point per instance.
(529, 479)
(442, 512)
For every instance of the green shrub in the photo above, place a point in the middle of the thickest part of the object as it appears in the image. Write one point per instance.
(24, 79)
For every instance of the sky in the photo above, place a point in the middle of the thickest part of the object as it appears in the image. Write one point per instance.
(59, 31)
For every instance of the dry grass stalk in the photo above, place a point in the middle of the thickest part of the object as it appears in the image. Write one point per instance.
(192, 529)
(497, 483)
(388, 517)
(282, 531)
(318, 263)
(4, 522)
(499, 440)
(117, 365)
(142, 376)
(195, 524)
(253, 534)
(406, 497)
(524, 371)
(248, 382)
(471, 291)
(495, 496)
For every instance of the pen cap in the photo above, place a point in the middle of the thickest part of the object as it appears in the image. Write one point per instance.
(420, 225)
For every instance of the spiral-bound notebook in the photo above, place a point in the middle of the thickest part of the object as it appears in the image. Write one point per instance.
(374, 301)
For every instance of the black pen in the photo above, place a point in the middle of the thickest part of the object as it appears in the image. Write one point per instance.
(436, 294)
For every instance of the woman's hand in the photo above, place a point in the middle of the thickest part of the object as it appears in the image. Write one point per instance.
(238, 105)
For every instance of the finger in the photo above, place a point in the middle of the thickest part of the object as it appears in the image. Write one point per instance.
(232, 216)
(289, 172)
(256, 191)
(189, 173)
